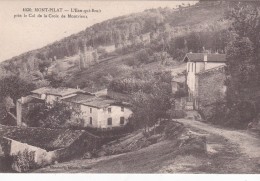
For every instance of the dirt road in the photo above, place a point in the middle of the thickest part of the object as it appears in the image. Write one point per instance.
(248, 143)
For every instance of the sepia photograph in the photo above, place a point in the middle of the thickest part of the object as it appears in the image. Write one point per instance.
(130, 87)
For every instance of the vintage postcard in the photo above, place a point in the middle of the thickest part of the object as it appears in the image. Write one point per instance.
(130, 87)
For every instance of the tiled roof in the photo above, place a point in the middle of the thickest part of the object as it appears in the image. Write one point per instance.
(199, 57)
(60, 91)
(90, 100)
(48, 139)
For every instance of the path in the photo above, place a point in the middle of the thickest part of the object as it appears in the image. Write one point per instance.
(249, 144)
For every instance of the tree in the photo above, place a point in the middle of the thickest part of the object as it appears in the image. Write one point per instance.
(194, 42)
(15, 87)
(44, 65)
(55, 79)
(243, 52)
(149, 107)
(243, 65)
(54, 115)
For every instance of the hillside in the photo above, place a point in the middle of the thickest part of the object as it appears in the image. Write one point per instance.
(227, 151)
(168, 29)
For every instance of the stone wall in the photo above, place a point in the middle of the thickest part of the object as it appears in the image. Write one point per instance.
(210, 88)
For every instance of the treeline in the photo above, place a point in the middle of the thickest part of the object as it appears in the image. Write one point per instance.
(161, 23)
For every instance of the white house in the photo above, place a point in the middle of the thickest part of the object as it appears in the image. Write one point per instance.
(198, 62)
(95, 111)
(100, 112)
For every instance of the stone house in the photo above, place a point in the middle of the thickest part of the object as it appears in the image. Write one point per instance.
(46, 145)
(99, 112)
(205, 78)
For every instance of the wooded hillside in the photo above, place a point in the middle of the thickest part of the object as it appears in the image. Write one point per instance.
(173, 30)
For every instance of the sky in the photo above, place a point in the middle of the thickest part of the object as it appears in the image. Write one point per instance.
(19, 35)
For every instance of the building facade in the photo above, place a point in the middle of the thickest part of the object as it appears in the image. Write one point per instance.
(99, 112)
(199, 65)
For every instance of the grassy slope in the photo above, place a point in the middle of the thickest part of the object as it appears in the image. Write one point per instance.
(116, 68)
(223, 156)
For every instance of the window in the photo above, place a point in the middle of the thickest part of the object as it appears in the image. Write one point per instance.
(192, 67)
(109, 121)
(109, 110)
(122, 109)
(90, 110)
(90, 120)
(122, 120)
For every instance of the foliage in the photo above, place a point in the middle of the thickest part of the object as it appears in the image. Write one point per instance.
(149, 107)
(54, 115)
(44, 65)
(242, 66)
(181, 93)
(55, 79)
(237, 116)
(25, 160)
(176, 114)
(15, 87)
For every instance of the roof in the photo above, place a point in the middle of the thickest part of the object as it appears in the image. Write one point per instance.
(179, 79)
(45, 138)
(221, 67)
(91, 100)
(199, 57)
(60, 91)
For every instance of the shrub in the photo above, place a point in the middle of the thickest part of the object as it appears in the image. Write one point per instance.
(181, 93)
(177, 114)
(24, 161)
(173, 130)
(238, 116)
